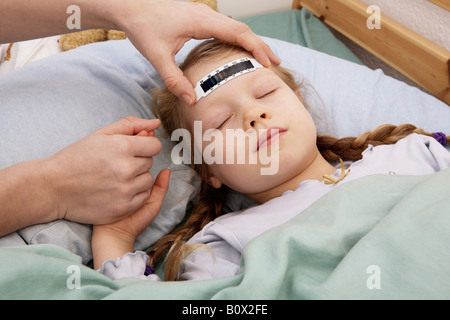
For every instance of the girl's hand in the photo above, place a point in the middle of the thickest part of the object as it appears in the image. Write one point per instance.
(113, 240)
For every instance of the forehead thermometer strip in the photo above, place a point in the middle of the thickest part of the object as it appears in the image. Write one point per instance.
(222, 75)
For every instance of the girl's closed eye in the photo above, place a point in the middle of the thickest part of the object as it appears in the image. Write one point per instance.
(266, 93)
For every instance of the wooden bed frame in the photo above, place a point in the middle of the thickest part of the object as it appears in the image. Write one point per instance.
(418, 58)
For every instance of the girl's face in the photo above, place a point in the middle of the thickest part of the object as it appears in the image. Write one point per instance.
(255, 103)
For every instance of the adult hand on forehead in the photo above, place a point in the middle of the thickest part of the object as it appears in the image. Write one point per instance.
(159, 29)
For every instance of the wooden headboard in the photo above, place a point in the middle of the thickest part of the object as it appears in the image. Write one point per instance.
(418, 58)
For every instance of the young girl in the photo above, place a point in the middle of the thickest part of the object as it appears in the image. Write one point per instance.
(235, 93)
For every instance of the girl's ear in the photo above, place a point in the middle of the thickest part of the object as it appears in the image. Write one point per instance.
(214, 182)
(299, 95)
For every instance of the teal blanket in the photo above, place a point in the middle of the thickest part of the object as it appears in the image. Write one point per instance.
(379, 237)
(300, 27)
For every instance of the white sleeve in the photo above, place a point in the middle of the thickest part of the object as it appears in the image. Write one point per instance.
(218, 254)
(440, 153)
(131, 265)
(216, 260)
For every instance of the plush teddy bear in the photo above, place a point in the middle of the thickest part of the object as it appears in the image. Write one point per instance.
(211, 3)
(76, 39)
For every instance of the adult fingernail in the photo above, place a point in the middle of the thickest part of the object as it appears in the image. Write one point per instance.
(187, 99)
(277, 60)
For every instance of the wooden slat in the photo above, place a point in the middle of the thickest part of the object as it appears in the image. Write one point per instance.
(296, 4)
(416, 57)
(442, 3)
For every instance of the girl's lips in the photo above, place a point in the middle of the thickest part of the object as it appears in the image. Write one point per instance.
(270, 136)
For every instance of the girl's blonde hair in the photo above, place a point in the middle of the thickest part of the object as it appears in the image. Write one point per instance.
(169, 109)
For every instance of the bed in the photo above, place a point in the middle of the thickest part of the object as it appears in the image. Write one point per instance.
(337, 249)
(417, 57)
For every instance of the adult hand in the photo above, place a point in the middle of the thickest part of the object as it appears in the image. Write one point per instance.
(160, 28)
(104, 177)
(157, 28)
(134, 224)
(113, 240)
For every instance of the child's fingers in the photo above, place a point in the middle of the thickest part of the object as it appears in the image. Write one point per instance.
(158, 192)
(145, 215)
(145, 133)
(130, 126)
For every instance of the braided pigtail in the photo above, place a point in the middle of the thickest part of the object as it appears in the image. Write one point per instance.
(351, 148)
(173, 246)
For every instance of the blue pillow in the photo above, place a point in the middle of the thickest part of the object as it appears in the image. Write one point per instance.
(54, 102)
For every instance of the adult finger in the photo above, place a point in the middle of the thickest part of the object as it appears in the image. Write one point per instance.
(130, 126)
(174, 79)
(145, 133)
(142, 146)
(143, 165)
(245, 37)
(217, 25)
(143, 182)
(259, 49)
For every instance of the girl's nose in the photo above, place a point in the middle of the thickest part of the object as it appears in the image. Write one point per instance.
(261, 116)
(256, 118)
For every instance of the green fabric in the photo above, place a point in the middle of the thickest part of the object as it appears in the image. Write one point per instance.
(399, 225)
(300, 27)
